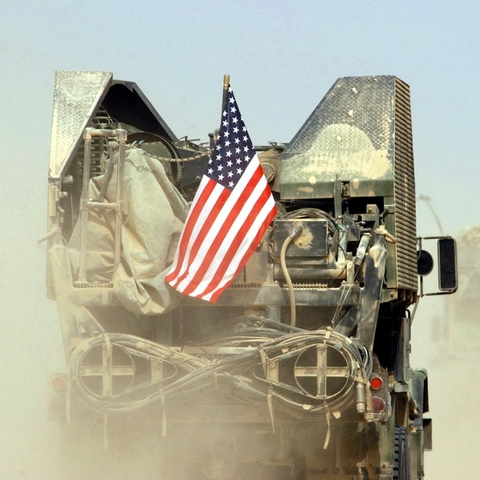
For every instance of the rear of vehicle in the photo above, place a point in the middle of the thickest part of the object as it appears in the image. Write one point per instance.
(301, 368)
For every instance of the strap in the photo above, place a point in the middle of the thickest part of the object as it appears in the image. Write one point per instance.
(270, 406)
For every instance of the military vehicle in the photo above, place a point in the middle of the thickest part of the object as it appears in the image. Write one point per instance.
(301, 368)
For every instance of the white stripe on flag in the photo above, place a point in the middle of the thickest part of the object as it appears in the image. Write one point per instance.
(233, 231)
(205, 247)
(196, 227)
(233, 266)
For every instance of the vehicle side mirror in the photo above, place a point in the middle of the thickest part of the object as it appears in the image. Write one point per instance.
(447, 272)
(445, 263)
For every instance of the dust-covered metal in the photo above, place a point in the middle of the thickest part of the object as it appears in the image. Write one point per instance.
(75, 100)
(301, 369)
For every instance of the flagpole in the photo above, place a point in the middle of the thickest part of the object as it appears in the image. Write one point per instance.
(226, 84)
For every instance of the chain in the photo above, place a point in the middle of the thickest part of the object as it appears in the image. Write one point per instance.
(165, 159)
(140, 168)
(111, 124)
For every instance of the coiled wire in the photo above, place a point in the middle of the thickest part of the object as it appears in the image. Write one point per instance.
(232, 374)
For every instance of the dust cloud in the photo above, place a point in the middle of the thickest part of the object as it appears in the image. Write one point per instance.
(31, 349)
(447, 345)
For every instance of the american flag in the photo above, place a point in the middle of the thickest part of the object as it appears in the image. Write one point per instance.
(229, 215)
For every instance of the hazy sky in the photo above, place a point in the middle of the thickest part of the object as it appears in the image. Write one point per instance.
(282, 57)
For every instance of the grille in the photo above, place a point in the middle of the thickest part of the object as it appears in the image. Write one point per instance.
(404, 190)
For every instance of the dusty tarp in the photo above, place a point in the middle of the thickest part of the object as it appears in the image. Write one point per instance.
(153, 220)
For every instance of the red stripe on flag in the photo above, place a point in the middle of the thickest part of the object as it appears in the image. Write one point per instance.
(209, 218)
(193, 215)
(245, 258)
(235, 247)
(198, 278)
(240, 231)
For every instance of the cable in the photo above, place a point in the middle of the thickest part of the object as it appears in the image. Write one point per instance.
(291, 293)
(235, 374)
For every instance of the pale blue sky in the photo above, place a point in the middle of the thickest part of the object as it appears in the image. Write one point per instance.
(282, 56)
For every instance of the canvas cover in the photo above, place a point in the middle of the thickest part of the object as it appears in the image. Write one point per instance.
(153, 220)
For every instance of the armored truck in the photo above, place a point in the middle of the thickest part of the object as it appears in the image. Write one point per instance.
(300, 369)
